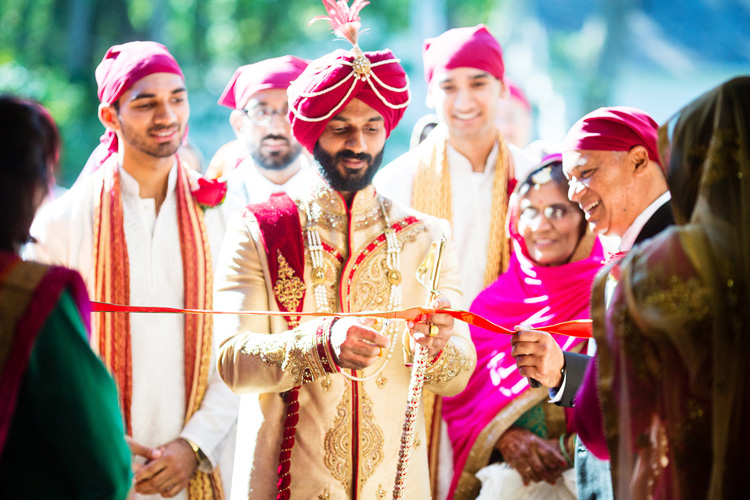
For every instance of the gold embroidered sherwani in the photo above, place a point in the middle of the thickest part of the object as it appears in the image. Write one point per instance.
(348, 434)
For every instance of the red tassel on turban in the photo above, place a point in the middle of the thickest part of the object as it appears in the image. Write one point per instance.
(463, 48)
(614, 129)
(332, 81)
(276, 73)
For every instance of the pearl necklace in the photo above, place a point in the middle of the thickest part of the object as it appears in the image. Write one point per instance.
(393, 275)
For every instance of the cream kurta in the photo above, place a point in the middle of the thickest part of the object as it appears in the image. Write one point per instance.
(348, 435)
(64, 234)
(471, 195)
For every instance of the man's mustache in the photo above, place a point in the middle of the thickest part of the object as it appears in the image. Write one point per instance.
(275, 138)
(348, 154)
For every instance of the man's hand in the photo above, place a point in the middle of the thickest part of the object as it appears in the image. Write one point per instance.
(534, 458)
(420, 329)
(538, 356)
(355, 344)
(168, 474)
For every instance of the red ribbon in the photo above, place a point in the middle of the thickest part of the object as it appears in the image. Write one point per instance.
(580, 328)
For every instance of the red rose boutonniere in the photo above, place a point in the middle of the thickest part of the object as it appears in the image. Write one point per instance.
(209, 192)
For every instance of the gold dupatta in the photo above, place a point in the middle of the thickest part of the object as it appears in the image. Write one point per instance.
(113, 285)
(431, 194)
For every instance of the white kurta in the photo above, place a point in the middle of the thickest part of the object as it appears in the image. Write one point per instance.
(64, 234)
(471, 202)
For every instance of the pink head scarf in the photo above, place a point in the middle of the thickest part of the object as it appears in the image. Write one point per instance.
(617, 128)
(332, 81)
(517, 94)
(463, 48)
(276, 73)
(526, 294)
(122, 66)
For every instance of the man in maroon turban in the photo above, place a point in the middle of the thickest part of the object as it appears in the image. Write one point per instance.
(256, 94)
(136, 232)
(611, 160)
(325, 417)
(464, 171)
(265, 158)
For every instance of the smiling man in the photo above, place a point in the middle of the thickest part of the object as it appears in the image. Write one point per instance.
(612, 163)
(329, 406)
(463, 172)
(135, 232)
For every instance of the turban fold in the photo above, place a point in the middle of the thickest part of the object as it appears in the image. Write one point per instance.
(463, 48)
(332, 81)
(276, 73)
(614, 129)
(122, 66)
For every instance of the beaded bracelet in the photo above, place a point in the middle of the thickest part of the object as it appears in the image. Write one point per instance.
(564, 450)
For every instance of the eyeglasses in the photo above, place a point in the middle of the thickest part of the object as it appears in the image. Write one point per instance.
(552, 213)
(262, 115)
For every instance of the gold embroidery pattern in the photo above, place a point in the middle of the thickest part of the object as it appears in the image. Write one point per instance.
(325, 383)
(363, 220)
(723, 156)
(381, 381)
(338, 457)
(450, 364)
(381, 493)
(331, 275)
(689, 300)
(325, 495)
(270, 351)
(289, 289)
(371, 441)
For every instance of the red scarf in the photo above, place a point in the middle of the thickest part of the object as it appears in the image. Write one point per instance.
(113, 285)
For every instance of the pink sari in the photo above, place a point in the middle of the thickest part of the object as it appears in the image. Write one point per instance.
(525, 294)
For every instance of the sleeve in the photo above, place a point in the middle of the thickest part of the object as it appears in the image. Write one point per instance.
(588, 415)
(71, 384)
(250, 359)
(210, 426)
(575, 367)
(449, 372)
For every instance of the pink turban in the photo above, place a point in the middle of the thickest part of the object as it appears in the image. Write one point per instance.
(614, 129)
(122, 66)
(463, 48)
(517, 94)
(332, 81)
(276, 73)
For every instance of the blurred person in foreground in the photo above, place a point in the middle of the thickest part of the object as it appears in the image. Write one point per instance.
(612, 162)
(329, 410)
(265, 149)
(671, 381)
(498, 418)
(61, 433)
(135, 230)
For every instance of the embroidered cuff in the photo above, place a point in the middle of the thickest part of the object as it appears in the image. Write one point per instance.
(447, 364)
(323, 345)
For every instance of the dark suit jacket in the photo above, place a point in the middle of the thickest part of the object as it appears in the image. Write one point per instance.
(575, 364)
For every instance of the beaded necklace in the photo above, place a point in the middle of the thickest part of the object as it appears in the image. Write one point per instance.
(393, 275)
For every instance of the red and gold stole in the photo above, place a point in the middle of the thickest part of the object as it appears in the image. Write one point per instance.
(112, 280)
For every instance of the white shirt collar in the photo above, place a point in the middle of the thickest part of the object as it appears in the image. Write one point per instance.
(629, 236)
(129, 185)
(457, 160)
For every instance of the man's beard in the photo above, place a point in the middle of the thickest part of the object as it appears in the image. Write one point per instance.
(357, 179)
(163, 150)
(274, 161)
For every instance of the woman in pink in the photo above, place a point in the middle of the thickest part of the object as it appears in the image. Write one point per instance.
(499, 417)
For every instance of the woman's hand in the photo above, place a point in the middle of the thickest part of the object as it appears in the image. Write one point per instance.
(534, 458)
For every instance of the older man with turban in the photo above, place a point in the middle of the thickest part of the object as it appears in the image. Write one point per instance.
(135, 231)
(612, 162)
(331, 393)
